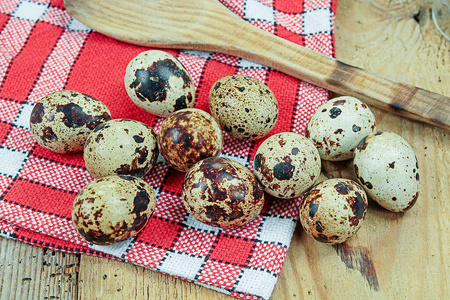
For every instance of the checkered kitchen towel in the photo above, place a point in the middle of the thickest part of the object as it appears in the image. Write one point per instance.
(42, 49)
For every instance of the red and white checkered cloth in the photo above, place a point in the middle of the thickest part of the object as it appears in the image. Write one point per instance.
(43, 49)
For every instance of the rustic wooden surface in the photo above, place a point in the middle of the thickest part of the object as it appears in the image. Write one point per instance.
(401, 256)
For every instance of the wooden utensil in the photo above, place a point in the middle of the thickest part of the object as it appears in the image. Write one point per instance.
(207, 25)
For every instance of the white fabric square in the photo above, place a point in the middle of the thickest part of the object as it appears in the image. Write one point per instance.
(248, 64)
(28, 10)
(23, 118)
(76, 25)
(180, 264)
(276, 229)
(12, 161)
(118, 249)
(317, 21)
(237, 158)
(255, 10)
(192, 223)
(256, 282)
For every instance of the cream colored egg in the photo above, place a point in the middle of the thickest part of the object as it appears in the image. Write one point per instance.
(121, 146)
(244, 106)
(387, 167)
(113, 209)
(159, 83)
(188, 136)
(287, 164)
(221, 192)
(333, 210)
(338, 125)
(62, 120)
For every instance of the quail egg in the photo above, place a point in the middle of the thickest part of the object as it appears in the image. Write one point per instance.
(244, 106)
(333, 210)
(338, 125)
(188, 136)
(121, 146)
(221, 192)
(113, 208)
(62, 120)
(159, 83)
(287, 164)
(386, 166)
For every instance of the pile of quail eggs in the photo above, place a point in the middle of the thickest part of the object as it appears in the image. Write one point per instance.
(219, 191)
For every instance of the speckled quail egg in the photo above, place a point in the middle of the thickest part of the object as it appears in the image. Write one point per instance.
(338, 125)
(121, 146)
(113, 208)
(244, 106)
(62, 120)
(333, 210)
(159, 83)
(188, 136)
(220, 192)
(287, 164)
(386, 166)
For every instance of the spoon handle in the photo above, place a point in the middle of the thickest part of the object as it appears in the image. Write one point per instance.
(399, 98)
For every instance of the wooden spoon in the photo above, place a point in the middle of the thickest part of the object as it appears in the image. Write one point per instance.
(207, 25)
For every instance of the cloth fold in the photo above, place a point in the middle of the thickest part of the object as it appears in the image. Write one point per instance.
(43, 49)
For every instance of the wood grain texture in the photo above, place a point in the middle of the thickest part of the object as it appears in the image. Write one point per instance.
(393, 256)
(207, 25)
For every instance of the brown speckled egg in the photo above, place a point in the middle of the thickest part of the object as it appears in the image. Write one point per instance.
(121, 146)
(221, 192)
(386, 166)
(159, 83)
(338, 125)
(287, 164)
(61, 121)
(188, 136)
(244, 106)
(112, 209)
(333, 210)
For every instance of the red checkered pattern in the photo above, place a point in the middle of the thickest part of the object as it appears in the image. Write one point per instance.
(43, 49)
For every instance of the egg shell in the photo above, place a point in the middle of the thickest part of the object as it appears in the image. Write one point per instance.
(62, 121)
(188, 136)
(333, 210)
(113, 208)
(287, 164)
(244, 106)
(338, 125)
(159, 83)
(220, 192)
(121, 146)
(387, 167)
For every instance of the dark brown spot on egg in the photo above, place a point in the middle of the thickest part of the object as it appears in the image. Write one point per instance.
(338, 131)
(417, 177)
(379, 132)
(181, 102)
(356, 128)
(37, 113)
(392, 165)
(334, 112)
(141, 202)
(216, 86)
(313, 207)
(307, 134)
(240, 89)
(358, 205)
(99, 137)
(295, 151)
(324, 110)
(368, 185)
(48, 135)
(362, 145)
(138, 139)
(284, 170)
(319, 226)
(339, 102)
(75, 117)
(394, 198)
(101, 126)
(215, 213)
(341, 188)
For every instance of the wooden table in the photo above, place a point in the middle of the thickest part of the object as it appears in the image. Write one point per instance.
(394, 255)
